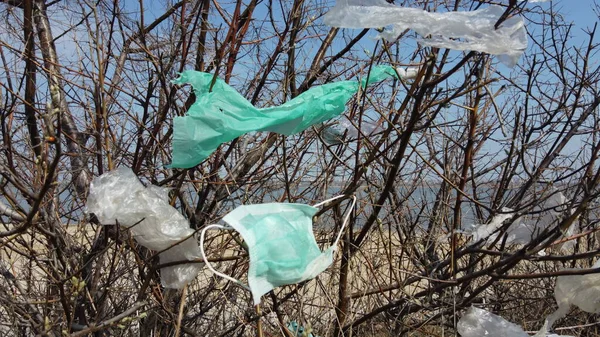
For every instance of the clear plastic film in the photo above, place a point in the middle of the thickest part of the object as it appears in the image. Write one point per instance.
(582, 291)
(526, 228)
(119, 196)
(478, 322)
(335, 133)
(466, 30)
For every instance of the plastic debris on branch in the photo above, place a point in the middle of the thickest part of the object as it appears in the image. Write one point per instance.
(335, 134)
(467, 30)
(527, 227)
(488, 231)
(479, 322)
(299, 331)
(221, 114)
(408, 73)
(582, 291)
(119, 196)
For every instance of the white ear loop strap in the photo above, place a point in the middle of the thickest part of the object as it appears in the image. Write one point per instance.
(345, 223)
(208, 265)
(346, 217)
(328, 200)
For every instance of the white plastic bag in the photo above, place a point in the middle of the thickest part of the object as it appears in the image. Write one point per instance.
(527, 227)
(478, 323)
(408, 73)
(582, 291)
(468, 30)
(487, 230)
(120, 196)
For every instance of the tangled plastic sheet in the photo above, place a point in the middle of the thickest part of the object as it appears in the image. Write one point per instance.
(119, 197)
(466, 30)
(527, 227)
(478, 322)
(221, 114)
(582, 291)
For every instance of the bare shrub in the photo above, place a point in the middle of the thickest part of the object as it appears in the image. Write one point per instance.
(85, 87)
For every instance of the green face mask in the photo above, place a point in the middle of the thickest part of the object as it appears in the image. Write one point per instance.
(222, 114)
(281, 244)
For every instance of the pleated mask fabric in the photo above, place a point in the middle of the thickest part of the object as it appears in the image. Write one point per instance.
(281, 244)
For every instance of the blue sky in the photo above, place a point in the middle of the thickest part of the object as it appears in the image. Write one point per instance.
(580, 12)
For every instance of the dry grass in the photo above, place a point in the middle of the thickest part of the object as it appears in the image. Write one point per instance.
(383, 271)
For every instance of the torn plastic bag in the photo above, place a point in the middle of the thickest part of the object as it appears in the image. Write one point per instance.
(222, 114)
(527, 227)
(332, 135)
(408, 73)
(479, 322)
(582, 291)
(336, 133)
(179, 275)
(467, 30)
(486, 231)
(120, 196)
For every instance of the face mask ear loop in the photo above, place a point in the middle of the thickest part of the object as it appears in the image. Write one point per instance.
(328, 200)
(208, 265)
(346, 218)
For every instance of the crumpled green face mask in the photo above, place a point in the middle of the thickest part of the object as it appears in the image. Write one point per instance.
(222, 114)
(281, 244)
